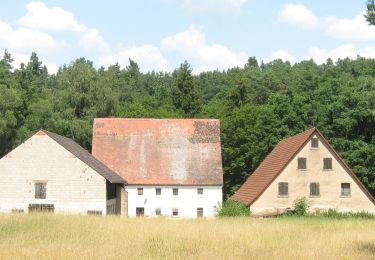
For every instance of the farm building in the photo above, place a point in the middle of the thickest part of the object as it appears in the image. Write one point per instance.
(53, 173)
(172, 166)
(304, 165)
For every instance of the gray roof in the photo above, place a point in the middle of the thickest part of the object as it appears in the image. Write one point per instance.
(86, 157)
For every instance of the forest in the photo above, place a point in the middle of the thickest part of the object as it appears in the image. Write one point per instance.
(258, 105)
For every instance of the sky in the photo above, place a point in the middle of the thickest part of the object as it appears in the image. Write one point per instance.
(160, 34)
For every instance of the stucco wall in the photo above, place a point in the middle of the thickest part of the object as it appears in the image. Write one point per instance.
(299, 185)
(72, 186)
(187, 200)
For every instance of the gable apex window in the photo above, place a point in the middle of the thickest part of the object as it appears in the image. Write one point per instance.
(158, 191)
(345, 189)
(200, 191)
(140, 191)
(302, 163)
(40, 190)
(314, 142)
(327, 163)
(175, 191)
(283, 189)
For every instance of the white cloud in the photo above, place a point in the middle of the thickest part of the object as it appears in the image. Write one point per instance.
(147, 56)
(298, 15)
(22, 39)
(221, 6)
(320, 55)
(193, 46)
(283, 55)
(40, 16)
(356, 29)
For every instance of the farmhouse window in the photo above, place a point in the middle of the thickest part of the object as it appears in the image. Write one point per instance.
(175, 212)
(175, 192)
(283, 189)
(314, 142)
(301, 163)
(139, 212)
(199, 212)
(158, 191)
(327, 163)
(140, 191)
(40, 190)
(200, 191)
(345, 189)
(158, 211)
(314, 189)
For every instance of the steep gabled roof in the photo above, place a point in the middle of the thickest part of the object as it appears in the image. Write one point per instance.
(277, 160)
(85, 157)
(160, 151)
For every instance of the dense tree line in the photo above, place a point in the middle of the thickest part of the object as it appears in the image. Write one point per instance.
(258, 105)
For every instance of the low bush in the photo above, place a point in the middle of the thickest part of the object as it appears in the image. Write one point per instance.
(300, 207)
(332, 213)
(231, 208)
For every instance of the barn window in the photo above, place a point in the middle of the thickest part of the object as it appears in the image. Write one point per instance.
(301, 163)
(314, 189)
(200, 191)
(40, 190)
(140, 191)
(175, 192)
(314, 142)
(175, 212)
(139, 212)
(283, 189)
(158, 211)
(199, 212)
(327, 163)
(158, 191)
(345, 189)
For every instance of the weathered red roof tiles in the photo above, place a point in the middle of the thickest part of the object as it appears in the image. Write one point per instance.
(276, 161)
(160, 151)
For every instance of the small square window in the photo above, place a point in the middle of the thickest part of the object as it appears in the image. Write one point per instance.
(301, 163)
(327, 163)
(200, 191)
(345, 189)
(314, 142)
(175, 192)
(158, 211)
(139, 191)
(158, 191)
(283, 189)
(175, 212)
(139, 212)
(199, 212)
(314, 189)
(40, 190)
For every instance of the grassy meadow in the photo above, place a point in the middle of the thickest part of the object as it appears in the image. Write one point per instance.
(45, 236)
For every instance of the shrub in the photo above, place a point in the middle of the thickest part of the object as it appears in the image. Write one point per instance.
(231, 208)
(301, 206)
(332, 213)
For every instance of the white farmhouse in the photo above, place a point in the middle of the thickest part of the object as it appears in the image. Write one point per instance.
(53, 173)
(172, 166)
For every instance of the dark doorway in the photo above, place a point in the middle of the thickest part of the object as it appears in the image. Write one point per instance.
(140, 212)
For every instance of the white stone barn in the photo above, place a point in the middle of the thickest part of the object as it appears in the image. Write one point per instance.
(172, 166)
(53, 173)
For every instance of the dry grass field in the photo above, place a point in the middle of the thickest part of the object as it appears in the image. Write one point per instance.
(43, 236)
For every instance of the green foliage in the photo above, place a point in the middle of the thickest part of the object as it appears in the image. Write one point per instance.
(300, 206)
(332, 213)
(231, 208)
(258, 105)
(370, 14)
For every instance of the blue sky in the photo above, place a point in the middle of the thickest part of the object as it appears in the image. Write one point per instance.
(160, 34)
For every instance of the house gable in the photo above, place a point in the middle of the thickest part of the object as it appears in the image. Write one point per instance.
(329, 182)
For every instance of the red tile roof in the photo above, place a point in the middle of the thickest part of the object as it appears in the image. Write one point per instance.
(276, 161)
(160, 151)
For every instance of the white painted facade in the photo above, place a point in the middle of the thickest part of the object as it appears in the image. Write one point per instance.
(187, 201)
(71, 185)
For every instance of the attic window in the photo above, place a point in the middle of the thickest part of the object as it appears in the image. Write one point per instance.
(139, 191)
(175, 192)
(301, 163)
(314, 142)
(345, 189)
(283, 189)
(40, 190)
(327, 163)
(200, 191)
(158, 191)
